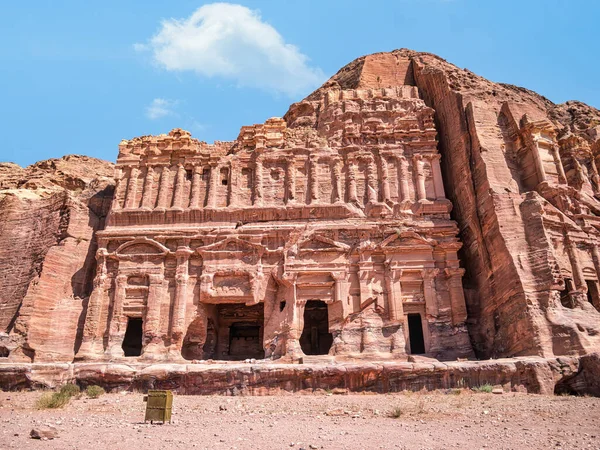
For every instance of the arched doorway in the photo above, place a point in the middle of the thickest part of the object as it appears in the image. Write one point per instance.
(316, 338)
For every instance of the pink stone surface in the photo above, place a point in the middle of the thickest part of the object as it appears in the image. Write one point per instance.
(405, 207)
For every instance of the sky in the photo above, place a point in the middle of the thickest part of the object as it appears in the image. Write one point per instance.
(77, 77)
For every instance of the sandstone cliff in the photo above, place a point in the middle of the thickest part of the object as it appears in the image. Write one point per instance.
(522, 175)
(520, 171)
(49, 212)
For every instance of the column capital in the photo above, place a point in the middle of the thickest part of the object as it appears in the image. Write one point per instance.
(451, 272)
(429, 274)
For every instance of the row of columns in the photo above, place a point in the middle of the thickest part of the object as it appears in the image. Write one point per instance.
(562, 177)
(94, 332)
(127, 187)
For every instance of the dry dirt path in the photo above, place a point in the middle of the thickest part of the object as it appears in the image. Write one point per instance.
(426, 421)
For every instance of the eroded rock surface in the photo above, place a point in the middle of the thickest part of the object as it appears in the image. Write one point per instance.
(405, 207)
(49, 212)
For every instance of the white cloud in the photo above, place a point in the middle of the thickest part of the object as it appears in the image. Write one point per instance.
(231, 41)
(160, 107)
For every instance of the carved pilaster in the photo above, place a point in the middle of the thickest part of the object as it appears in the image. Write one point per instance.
(352, 187)
(429, 291)
(181, 279)
(213, 186)
(457, 297)
(290, 177)
(385, 179)
(163, 188)
(196, 185)
(234, 175)
(120, 186)
(562, 177)
(314, 180)
(372, 185)
(539, 164)
(393, 292)
(404, 176)
(148, 188)
(116, 329)
(153, 305)
(419, 177)
(179, 187)
(132, 187)
(438, 183)
(337, 180)
(258, 182)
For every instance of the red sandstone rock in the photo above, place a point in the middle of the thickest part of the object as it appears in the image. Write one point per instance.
(50, 211)
(219, 251)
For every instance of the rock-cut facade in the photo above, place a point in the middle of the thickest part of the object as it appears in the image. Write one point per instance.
(406, 207)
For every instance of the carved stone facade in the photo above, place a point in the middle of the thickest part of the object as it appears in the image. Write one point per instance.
(335, 231)
(285, 243)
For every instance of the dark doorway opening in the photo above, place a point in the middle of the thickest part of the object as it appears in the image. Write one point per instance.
(132, 343)
(3, 352)
(415, 334)
(235, 332)
(244, 341)
(565, 298)
(593, 294)
(316, 338)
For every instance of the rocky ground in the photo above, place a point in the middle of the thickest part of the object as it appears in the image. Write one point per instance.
(454, 419)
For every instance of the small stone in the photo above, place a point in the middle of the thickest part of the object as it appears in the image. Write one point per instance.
(44, 433)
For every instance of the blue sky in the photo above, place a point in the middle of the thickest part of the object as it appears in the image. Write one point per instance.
(79, 76)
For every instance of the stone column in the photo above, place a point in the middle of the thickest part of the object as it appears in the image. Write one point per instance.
(92, 342)
(116, 330)
(578, 277)
(132, 188)
(196, 182)
(385, 180)
(163, 188)
(438, 182)
(429, 291)
(234, 175)
(539, 164)
(404, 187)
(290, 176)
(213, 186)
(119, 190)
(352, 189)
(372, 185)
(420, 177)
(314, 179)
(562, 177)
(152, 335)
(179, 188)
(457, 296)
(341, 292)
(258, 182)
(181, 279)
(337, 179)
(148, 189)
(394, 292)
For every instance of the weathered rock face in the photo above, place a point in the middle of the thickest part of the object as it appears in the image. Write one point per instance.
(333, 231)
(49, 213)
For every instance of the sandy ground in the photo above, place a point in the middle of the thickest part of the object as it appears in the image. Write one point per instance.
(318, 421)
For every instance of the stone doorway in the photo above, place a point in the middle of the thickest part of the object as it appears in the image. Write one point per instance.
(316, 338)
(415, 334)
(593, 295)
(236, 333)
(132, 342)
